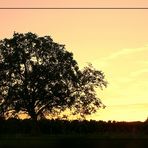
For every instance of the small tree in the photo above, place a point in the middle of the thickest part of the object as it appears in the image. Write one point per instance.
(39, 77)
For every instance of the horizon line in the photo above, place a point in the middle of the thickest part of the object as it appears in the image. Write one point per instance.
(74, 8)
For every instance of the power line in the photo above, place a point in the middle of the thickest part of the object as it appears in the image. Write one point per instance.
(142, 8)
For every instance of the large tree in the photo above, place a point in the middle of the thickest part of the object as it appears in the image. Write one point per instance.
(39, 77)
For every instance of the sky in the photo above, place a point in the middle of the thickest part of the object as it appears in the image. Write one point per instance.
(74, 3)
(114, 41)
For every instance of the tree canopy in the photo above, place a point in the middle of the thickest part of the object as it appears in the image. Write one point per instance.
(40, 77)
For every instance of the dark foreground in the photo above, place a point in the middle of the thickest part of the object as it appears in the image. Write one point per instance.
(72, 134)
(74, 141)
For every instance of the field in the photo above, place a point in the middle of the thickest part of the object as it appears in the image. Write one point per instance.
(74, 141)
(73, 134)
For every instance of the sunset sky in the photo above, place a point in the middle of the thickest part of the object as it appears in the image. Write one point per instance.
(114, 41)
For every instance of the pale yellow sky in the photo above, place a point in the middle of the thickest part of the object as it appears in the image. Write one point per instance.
(114, 41)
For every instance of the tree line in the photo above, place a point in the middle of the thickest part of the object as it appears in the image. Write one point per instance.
(28, 126)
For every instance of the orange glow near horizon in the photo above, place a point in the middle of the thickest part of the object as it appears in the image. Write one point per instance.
(114, 41)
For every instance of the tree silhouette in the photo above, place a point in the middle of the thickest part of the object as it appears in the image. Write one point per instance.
(39, 77)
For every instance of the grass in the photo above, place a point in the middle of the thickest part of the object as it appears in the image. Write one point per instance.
(75, 141)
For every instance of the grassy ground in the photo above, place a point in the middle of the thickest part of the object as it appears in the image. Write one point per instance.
(75, 141)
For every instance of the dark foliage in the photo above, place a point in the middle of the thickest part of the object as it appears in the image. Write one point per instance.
(27, 126)
(39, 77)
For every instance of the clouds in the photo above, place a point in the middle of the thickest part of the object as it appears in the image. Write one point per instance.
(127, 74)
(139, 72)
(123, 112)
(125, 64)
(125, 52)
(119, 54)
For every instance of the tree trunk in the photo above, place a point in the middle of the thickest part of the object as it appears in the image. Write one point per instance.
(33, 115)
(35, 128)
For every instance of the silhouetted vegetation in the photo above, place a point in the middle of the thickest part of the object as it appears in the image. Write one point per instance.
(63, 133)
(38, 77)
(64, 127)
